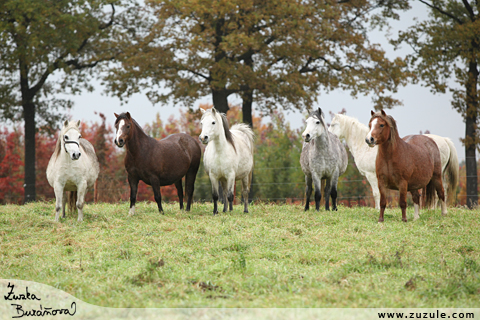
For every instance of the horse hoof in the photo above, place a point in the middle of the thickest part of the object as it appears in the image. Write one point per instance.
(380, 220)
(245, 211)
(404, 220)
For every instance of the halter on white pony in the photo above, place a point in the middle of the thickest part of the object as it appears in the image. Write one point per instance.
(70, 137)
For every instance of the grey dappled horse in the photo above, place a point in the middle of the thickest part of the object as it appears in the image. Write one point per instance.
(323, 157)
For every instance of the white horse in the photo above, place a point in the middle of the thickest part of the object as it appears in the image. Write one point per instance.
(228, 156)
(73, 168)
(354, 133)
(323, 157)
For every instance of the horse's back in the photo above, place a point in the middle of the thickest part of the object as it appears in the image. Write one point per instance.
(186, 142)
(425, 155)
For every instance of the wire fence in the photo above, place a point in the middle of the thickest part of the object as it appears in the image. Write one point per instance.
(112, 190)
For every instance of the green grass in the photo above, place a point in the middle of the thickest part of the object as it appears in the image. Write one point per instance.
(275, 256)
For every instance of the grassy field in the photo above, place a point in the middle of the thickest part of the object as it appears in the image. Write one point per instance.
(275, 256)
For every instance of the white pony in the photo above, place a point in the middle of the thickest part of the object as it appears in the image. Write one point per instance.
(73, 167)
(354, 134)
(228, 156)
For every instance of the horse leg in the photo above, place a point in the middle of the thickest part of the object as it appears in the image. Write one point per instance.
(64, 202)
(372, 179)
(58, 189)
(441, 195)
(190, 185)
(245, 190)
(81, 191)
(318, 191)
(326, 194)
(156, 193)
(230, 191)
(225, 190)
(308, 191)
(214, 194)
(133, 194)
(178, 185)
(403, 187)
(333, 194)
(416, 203)
(383, 200)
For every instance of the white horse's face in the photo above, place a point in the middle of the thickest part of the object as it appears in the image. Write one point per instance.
(315, 128)
(336, 127)
(71, 143)
(210, 127)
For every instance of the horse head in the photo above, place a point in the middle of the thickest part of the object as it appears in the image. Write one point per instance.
(337, 126)
(70, 138)
(211, 124)
(382, 129)
(315, 126)
(123, 126)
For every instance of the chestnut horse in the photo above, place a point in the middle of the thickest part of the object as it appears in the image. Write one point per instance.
(157, 163)
(407, 164)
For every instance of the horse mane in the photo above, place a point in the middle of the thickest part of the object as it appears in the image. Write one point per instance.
(318, 114)
(123, 115)
(390, 122)
(226, 127)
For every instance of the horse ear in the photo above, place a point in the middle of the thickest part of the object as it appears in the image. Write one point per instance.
(116, 115)
(214, 110)
(202, 110)
(320, 112)
(128, 115)
(65, 124)
(383, 113)
(78, 123)
(372, 112)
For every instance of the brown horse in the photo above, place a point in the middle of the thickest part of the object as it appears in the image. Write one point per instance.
(157, 163)
(407, 164)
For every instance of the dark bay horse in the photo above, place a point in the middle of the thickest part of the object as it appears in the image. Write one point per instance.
(157, 163)
(407, 164)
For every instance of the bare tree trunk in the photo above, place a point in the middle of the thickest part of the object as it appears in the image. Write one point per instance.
(470, 135)
(29, 182)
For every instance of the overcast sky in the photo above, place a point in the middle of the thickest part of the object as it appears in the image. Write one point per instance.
(421, 110)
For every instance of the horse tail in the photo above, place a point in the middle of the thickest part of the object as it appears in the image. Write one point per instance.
(429, 192)
(72, 200)
(451, 172)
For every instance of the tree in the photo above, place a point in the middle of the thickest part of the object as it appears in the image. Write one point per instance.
(448, 45)
(38, 38)
(273, 53)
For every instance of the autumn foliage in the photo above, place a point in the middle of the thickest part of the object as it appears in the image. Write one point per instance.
(277, 172)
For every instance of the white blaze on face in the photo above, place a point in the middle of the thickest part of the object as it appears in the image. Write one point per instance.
(120, 129)
(368, 139)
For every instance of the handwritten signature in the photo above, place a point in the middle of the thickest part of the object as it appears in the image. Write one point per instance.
(41, 312)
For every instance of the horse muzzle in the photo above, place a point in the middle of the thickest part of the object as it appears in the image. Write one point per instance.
(204, 139)
(76, 155)
(370, 141)
(120, 143)
(307, 137)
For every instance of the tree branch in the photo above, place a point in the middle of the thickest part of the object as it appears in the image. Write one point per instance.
(442, 11)
(469, 9)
